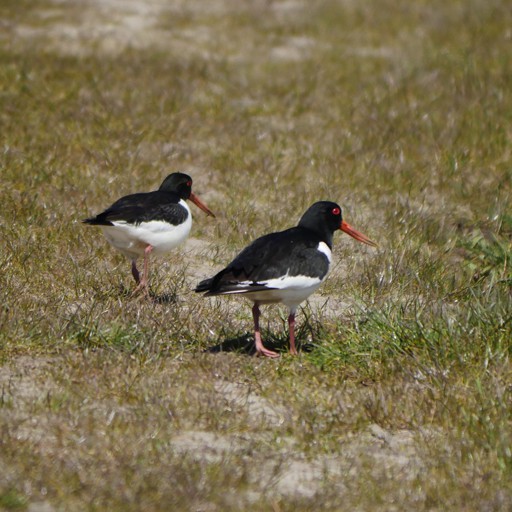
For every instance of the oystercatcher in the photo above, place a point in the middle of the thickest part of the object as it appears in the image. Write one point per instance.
(150, 222)
(284, 267)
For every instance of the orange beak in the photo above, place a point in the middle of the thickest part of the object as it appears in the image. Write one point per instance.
(200, 204)
(356, 234)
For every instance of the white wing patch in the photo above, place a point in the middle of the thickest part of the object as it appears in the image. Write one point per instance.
(290, 295)
(290, 290)
(292, 282)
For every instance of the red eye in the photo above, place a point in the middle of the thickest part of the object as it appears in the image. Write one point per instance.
(189, 183)
(336, 211)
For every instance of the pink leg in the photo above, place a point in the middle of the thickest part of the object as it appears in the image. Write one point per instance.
(147, 252)
(291, 328)
(143, 283)
(135, 272)
(260, 349)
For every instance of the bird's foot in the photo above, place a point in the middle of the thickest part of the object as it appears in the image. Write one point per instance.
(262, 351)
(142, 291)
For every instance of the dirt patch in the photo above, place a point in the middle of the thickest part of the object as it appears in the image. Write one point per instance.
(282, 470)
(375, 451)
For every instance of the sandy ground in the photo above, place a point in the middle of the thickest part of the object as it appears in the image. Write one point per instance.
(288, 473)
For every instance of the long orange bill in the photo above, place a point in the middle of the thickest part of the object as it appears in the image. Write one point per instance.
(200, 204)
(356, 234)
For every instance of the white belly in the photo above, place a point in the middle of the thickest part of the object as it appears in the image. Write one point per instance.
(291, 291)
(132, 240)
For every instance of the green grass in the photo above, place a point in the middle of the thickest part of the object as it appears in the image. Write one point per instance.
(401, 398)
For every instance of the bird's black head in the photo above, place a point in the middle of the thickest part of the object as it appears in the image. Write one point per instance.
(179, 183)
(325, 218)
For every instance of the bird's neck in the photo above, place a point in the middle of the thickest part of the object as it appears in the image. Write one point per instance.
(325, 235)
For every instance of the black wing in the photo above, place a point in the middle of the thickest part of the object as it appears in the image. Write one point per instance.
(292, 252)
(143, 207)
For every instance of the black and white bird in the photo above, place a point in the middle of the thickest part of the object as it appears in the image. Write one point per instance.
(150, 222)
(285, 267)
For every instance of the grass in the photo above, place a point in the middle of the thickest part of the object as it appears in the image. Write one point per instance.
(401, 397)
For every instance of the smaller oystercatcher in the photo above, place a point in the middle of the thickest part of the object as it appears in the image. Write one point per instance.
(284, 267)
(150, 222)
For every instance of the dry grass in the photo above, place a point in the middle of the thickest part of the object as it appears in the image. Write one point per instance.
(399, 111)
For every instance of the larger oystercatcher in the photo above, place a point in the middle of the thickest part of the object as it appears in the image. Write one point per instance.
(284, 267)
(150, 222)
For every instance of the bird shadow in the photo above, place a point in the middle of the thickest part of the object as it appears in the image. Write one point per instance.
(244, 344)
(164, 298)
(155, 298)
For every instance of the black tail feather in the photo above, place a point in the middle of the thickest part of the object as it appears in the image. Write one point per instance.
(204, 286)
(97, 221)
